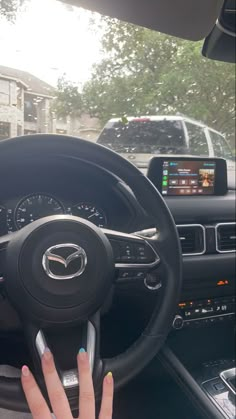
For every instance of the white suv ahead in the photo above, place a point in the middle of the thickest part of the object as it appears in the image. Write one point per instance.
(139, 139)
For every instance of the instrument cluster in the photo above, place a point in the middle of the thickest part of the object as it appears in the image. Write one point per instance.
(39, 205)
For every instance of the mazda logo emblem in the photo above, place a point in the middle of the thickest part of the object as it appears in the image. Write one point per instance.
(64, 261)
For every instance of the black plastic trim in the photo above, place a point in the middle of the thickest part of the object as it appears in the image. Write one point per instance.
(207, 266)
(185, 380)
(202, 209)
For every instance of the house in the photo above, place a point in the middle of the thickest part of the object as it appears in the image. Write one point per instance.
(25, 108)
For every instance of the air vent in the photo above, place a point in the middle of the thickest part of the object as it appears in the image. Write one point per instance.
(192, 239)
(226, 237)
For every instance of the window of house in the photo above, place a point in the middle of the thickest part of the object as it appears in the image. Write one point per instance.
(29, 131)
(4, 130)
(197, 140)
(4, 92)
(61, 131)
(19, 93)
(30, 110)
(220, 146)
(19, 130)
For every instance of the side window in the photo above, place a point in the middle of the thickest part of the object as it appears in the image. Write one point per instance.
(4, 130)
(220, 146)
(197, 140)
(4, 92)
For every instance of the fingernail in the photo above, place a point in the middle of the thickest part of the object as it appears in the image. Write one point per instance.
(82, 354)
(25, 371)
(109, 378)
(47, 354)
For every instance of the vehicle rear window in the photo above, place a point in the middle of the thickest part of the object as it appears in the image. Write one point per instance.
(144, 137)
(197, 140)
(221, 148)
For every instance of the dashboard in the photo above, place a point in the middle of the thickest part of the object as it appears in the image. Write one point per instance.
(34, 188)
(34, 193)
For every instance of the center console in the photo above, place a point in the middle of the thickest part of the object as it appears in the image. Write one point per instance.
(210, 387)
(199, 353)
(204, 312)
(220, 386)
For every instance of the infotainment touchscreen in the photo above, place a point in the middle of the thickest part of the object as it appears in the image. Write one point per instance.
(184, 177)
(188, 176)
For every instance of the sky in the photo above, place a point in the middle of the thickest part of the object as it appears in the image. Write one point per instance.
(49, 39)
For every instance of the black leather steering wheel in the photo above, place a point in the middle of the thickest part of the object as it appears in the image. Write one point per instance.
(59, 270)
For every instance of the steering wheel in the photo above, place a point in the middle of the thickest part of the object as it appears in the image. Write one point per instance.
(60, 270)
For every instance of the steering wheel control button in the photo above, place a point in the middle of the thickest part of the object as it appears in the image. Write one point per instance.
(178, 322)
(123, 275)
(141, 275)
(131, 275)
(132, 252)
(141, 253)
(127, 252)
(144, 253)
(62, 267)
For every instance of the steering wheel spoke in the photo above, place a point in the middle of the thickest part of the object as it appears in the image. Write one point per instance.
(64, 343)
(69, 377)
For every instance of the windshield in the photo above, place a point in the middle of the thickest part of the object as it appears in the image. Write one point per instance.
(66, 70)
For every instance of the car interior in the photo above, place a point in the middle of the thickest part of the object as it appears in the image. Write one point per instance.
(152, 298)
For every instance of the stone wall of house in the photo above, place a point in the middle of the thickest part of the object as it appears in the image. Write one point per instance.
(83, 127)
(44, 121)
(10, 110)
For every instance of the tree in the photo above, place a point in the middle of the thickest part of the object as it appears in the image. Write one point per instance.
(145, 72)
(9, 8)
(68, 100)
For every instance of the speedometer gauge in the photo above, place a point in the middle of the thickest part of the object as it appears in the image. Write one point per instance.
(34, 207)
(91, 213)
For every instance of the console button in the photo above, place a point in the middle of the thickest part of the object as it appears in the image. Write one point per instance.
(219, 386)
(189, 313)
(178, 322)
(207, 310)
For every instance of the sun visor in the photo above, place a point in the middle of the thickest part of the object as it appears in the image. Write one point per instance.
(188, 19)
(221, 43)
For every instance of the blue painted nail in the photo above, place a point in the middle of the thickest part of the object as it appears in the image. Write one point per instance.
(82, 350)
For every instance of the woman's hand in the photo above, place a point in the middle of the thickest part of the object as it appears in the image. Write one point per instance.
(56, 393)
